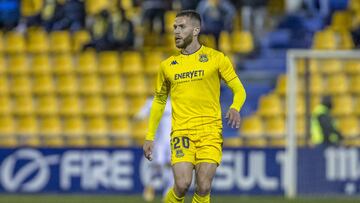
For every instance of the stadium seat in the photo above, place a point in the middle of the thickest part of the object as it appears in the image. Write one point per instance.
(135, 85)
(96, 129)
(69, 105)
(270, 105)
(1, 41)
(311, 64)
(151, 84)
(357, 107)
(42, 84)
(14, 43)
(63, 64)
(27, 125)
(301, 130)
(116, 106)
(281, 85)
(345, 40)
(46, 105)
(349, 126)
(93, 7)
(355, 84)
(7, 131)
(112, 85)
(79, 39)
(119, 126)
(3, 67)
(108, 62)
(20, 84)
(89, 84)
(86, 63)
(73, 129)
(135, 104)
(152, 60)
(50, 125)
(299, 107)
(233, 142)
(139, 130)
(275, 130)
(66, 84)
(18, 64)
(337, 84)
(330, 66)
(325, 39)
(40, 64)
(242, 42)
(5, 105)
(37, 41)
(4, 87)
(342, 105)
(341, 20)
(252, 131)
(169, 21)
(316, 84)
(92, 105)
(23, 105)
(207, 40)
(60, 42)
(131, 63)
(225, 42)
(352, 66)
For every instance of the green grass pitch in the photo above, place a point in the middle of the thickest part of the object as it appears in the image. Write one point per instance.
(138, 199)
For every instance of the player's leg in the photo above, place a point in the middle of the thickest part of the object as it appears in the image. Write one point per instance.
(182, 178)
(204, 174)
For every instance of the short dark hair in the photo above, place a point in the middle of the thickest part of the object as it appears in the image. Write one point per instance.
(191, 14)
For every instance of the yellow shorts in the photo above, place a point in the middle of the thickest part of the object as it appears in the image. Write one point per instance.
(196, 149)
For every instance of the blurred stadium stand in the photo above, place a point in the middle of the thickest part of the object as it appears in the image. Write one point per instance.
(55, 93)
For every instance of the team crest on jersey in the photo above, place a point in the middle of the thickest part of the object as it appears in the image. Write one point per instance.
(203, 58)
(179, 153)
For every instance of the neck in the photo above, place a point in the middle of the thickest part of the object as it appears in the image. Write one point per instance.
(192, 47)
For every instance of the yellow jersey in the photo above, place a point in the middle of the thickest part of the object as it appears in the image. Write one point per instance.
(193, 82)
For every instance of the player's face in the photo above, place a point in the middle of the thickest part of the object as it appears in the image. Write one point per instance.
(183, 31)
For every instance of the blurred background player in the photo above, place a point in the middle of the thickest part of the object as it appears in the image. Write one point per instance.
(161, 157)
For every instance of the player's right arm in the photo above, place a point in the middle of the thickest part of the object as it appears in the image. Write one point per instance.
(157, 109)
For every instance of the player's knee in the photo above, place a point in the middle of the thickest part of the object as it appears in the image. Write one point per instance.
(182, 185)
(203, 187)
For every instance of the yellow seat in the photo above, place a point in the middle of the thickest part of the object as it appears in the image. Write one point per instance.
(69, 105)
(43, 84)
(325, 39)
(116, 106)
(5, 105)
(169, 21)
(152, 60)
(37, 41)
(349, 126)
(275, 129)
(151, 84)
(252, 130)
(73, 126)
(46, 105)
(63, 64)
(354, 5)
(352, 66)
(355, 84)
(312, 66)
(4, 87)
(300, 130)
(112, 85)
(270, 105)
(79, 39)
(357, 107)
(18, 64)
(341, 20)
(135, 85)
(131, 63)
(342, 105)
(7, 125)
(139, 129)
(86, 63)
(20, 85)
(316, 84)
(94, 6)
(135, 104)
(60, 42)
(99, 141)
(3, 67)
(1, 42)
(14, 43)
(281, 85)
(207, 40)
(66, 84)
(337, 84)
(108, 62)
(92, 105)
(50, 126)
(242, 42)
(119, 126)
(330, 66)
(96, 126)
(345, 40)
(40, 64)
(299, 107)
(22, 105)
(225, 43)
(89, 84)
(27, 125)
(233, 142)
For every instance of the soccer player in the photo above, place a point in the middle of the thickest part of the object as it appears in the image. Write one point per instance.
(192, 78)
(161, 153)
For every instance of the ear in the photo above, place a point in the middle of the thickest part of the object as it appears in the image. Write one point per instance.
(196, 31)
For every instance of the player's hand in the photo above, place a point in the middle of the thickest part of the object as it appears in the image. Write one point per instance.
(148, 148)
(233, 117)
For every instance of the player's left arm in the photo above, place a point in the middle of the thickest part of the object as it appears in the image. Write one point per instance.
(228, 74)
